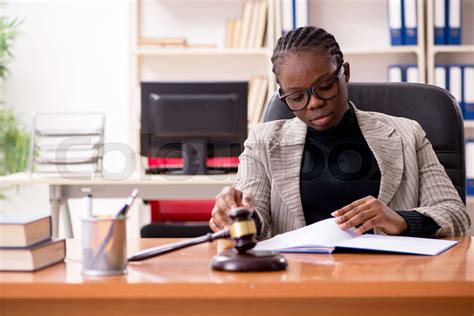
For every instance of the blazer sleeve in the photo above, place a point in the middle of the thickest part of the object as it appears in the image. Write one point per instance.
(252, 177)
(438, 198)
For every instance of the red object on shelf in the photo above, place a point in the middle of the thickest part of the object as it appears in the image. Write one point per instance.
(181, 211)
(185, 210)
(215, 162)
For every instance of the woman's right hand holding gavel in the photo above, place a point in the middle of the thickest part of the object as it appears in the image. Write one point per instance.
(226, 200)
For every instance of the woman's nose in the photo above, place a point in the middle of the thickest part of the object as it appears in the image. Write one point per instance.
(315, 102)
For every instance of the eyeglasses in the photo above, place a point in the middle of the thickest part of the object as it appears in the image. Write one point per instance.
(297, 101)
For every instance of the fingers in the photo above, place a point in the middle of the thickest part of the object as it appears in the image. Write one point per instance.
(363, 213)
(351, 206)
(248, 201)
(368, 225)
(213, 225)
(227, 199)
(356, 216)
(219, 217)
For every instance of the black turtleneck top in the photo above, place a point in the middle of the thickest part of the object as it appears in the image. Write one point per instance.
(338, 168)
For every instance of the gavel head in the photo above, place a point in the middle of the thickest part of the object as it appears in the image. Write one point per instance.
(242, 230)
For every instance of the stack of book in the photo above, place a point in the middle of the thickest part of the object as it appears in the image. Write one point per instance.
(26, 244)
(249, 30)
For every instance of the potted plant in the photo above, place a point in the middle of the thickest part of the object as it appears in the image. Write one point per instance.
(14, 139)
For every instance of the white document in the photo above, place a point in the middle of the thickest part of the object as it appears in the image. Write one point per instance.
(439, 14)
(440, 77)
(455, 82)
(454, 14)
(395, 74)
(470, 159)
(395, 14)
(323, 234)
(468, 85)
(301, 12)
(326, 236)
(286, 15)
(413, 74)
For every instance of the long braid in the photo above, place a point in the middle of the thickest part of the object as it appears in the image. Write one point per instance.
(303, 39)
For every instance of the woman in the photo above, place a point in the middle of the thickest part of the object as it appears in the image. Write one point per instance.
(334, 160)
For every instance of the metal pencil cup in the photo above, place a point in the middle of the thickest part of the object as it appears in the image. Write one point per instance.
(104, 246)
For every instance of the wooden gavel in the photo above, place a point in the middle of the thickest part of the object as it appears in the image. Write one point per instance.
(242, 231)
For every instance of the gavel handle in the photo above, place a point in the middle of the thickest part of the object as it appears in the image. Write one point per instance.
(160, 250)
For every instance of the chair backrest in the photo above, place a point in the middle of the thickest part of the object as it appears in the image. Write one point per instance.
(433, 108)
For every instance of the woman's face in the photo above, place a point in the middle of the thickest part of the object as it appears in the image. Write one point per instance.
(300, 70)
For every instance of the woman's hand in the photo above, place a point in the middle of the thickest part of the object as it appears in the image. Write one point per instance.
(369, 213)
(226, 200)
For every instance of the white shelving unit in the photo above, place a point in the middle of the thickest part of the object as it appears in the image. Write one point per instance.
(452, 54)
(361, 29)
(461, 54)
(200, 22)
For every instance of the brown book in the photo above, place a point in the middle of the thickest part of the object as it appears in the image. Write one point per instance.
(261, 99)
(23, 230)
(245, 24)
(229, 33)
(162, 41)
(261, 24)
(236, 36)
(33, 258)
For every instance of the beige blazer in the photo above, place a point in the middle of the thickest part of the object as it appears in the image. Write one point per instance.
(411, 176)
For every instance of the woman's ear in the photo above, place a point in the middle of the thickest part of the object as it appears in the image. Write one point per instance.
(347, 71)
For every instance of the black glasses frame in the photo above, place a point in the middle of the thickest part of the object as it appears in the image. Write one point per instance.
(312, 90)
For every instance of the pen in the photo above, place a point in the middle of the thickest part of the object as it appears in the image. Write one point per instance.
(88, 201)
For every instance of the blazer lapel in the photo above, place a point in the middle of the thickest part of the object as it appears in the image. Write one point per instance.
(386, 146)
(285, 154)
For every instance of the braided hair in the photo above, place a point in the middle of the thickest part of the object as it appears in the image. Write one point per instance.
(304, 39)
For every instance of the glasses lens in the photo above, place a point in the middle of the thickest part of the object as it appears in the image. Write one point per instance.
(297, 101)
(327, 90)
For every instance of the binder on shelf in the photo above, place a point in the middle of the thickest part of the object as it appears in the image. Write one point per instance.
(395, 20)
(260, 25)
(468, 93)
(455, 84)
(245, 24)
(411, 22)
(439, 18)
(395, 73)
(440, 77)
(453, 22)
(301, 12)
(286, 16)
(252, 34)
(470, 166)
(277, 25)
(412, 74)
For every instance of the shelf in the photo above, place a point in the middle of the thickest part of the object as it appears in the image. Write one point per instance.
(158, 51)
(382, 50)
(453, 49)
(469, 124)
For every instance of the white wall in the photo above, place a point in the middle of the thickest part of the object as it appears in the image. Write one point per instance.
(70, 56)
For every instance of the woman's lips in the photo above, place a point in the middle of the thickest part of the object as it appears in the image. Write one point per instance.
(322, 120)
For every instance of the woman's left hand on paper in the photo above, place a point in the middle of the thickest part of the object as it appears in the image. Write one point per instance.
(369, 213)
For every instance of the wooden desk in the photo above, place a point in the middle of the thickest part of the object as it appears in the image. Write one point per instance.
(152, 187)
(182, 283)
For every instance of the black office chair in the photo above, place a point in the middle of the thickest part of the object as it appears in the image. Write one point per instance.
(433, 108)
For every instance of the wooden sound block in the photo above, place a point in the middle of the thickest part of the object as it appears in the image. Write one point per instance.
(250, 261)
